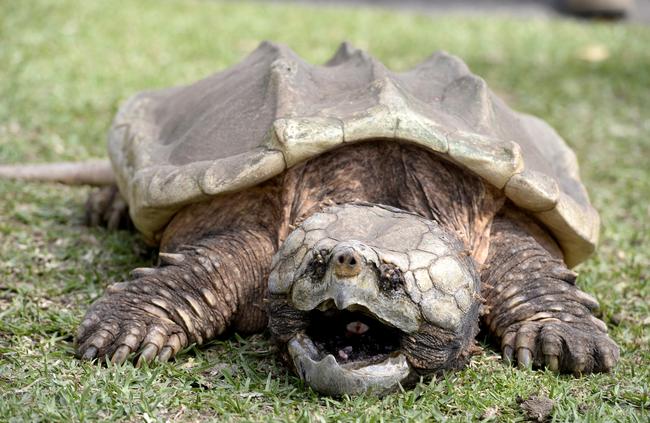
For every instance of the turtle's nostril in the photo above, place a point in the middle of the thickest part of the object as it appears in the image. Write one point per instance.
(347, 263)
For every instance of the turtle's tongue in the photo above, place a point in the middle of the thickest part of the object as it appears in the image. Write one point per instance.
(356, 328)
(352, 329)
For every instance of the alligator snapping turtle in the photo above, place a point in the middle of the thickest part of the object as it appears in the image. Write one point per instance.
(370, 218)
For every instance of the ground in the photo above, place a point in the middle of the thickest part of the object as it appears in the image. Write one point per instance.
(65, 66)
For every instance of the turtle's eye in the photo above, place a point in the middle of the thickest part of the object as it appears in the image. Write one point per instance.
(390, 277)
(318, 263)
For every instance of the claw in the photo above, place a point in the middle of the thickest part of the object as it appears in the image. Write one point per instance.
(507, 346)
(609, 361)
(90, 354)
(147, 355)
(175, 342)
(508, 354)
(171, 258)
(524, 358)
(580, 366)
(165, 354)
(120, 355)
(552, 362)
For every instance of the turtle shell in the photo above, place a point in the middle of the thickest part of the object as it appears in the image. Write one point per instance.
(246, 124)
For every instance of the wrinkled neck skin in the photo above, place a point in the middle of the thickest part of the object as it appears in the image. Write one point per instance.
(397, 175)
(375, 283)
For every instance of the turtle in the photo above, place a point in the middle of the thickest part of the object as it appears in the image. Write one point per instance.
(370, 221)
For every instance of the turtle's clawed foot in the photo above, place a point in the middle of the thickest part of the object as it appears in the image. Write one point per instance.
(164, 309)
(121, 326)
(577, 347)
(106, 207)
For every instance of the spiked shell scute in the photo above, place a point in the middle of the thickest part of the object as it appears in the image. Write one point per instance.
(249, 123)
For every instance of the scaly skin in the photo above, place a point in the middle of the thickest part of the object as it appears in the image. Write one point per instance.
(189, 299)
(535, 309)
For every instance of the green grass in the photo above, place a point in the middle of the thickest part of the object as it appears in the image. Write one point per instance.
(65, 66)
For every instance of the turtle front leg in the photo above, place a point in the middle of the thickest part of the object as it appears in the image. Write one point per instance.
(533, 306)
(194, 294)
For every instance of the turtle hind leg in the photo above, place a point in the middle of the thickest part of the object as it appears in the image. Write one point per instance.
(195, 294)
(533, 306)
(106, 207)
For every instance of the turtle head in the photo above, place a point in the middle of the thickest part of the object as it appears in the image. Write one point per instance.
(365, 297)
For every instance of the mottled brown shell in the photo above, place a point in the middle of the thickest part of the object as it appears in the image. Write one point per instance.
(246, 124)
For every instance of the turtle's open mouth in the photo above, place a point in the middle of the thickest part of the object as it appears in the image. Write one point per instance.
(348, 351)
(352, 336)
